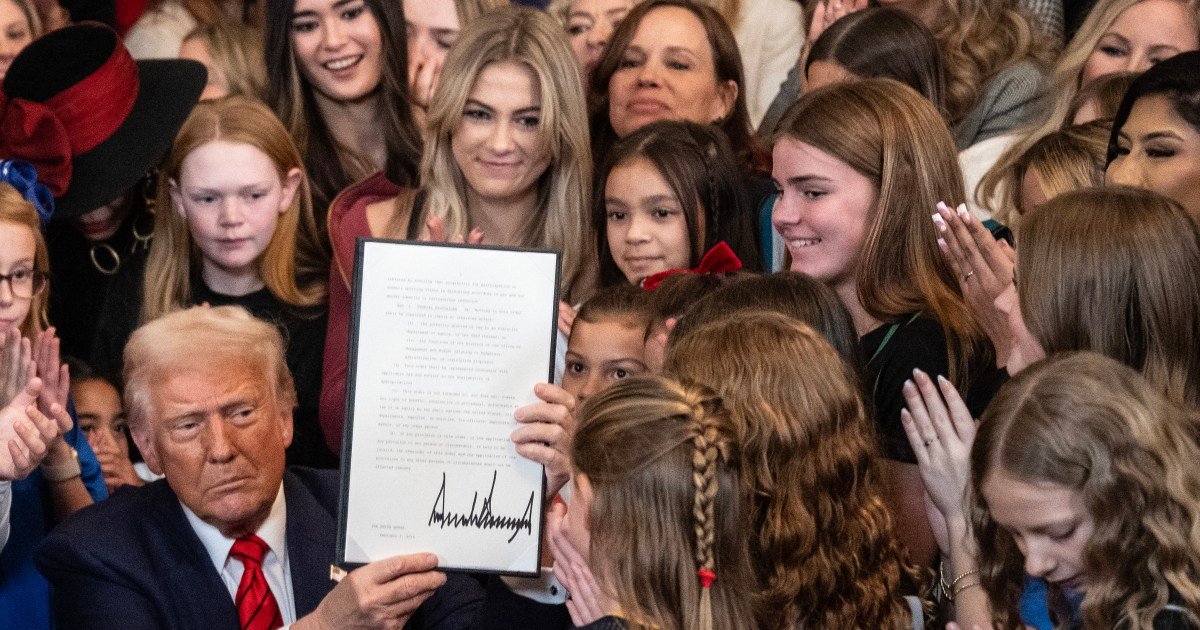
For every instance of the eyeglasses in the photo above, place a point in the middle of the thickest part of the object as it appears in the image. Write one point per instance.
(25, 283)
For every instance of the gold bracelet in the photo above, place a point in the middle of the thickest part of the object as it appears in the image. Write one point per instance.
(960, 578)
(959, 590)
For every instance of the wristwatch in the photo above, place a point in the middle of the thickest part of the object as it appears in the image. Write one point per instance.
(64, 471)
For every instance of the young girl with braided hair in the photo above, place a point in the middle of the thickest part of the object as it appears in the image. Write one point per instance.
(653, 538)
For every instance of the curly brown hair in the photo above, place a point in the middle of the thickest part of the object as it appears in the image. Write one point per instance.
(1088, 422)
(822, 541)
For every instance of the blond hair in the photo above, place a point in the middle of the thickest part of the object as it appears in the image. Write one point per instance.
(823, 544)
(16, 210)
(293, 267)
(1064, 84)
(1116, 271)
(202, 337)
(531, 38)
(978, 39)
(1089, 423)
(237, 50)
(468, 10)
(663, 467)
(1069, 159)
(892, 136)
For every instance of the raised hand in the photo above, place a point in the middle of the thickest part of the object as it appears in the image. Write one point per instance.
(984, 267)
(940, 429)
(53, 372)
(25, 433)
(16, 364)
(546, 432)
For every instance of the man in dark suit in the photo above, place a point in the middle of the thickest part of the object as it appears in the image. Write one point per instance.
(228, 539)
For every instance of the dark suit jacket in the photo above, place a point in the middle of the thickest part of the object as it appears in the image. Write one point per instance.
(133, 562)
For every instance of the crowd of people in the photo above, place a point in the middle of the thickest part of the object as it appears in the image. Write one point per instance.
(874, 313)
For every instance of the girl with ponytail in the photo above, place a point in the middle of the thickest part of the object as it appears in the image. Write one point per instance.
(653, 538)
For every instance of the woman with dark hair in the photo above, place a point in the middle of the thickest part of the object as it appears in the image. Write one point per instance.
(336, 77)
(672, 60)
(1155, 142)
(878, 42)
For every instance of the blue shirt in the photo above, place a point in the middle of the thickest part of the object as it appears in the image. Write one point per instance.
(24, 593)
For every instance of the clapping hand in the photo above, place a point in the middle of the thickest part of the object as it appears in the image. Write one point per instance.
(26, 433)
(940, 429)
(586, 602)
(985, 268)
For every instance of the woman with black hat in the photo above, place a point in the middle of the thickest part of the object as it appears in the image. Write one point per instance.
(100, 122)
(93, 122)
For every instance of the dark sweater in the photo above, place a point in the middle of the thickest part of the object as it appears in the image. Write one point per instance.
(303, 333)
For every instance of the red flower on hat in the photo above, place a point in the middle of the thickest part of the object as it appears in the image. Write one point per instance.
(32, 132)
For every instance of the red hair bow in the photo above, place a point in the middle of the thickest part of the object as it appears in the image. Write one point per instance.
(719, 259)
(32, 132)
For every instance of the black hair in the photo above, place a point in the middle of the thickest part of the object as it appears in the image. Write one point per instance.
(698, 165)
(1177, 78)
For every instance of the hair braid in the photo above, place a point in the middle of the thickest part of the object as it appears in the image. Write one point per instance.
(707, 440)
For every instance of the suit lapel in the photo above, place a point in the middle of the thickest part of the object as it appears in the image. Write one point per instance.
(207, 604)
(310, 528)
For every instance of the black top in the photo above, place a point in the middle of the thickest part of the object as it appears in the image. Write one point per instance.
(78, 288)
(918, 342)
(303, 333)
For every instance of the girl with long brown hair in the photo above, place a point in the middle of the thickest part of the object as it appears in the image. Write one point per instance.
(859, 166)
(654, 520)
(822, 539)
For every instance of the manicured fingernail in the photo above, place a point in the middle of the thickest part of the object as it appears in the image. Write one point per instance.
(917, 372)
(908, 384)
(942, 245)
(942, 380)
(963, 212)
(939, 222)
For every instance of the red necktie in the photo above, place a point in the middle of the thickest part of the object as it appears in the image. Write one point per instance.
(256, 606)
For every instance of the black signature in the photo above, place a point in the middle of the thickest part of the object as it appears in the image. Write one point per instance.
(484, 519)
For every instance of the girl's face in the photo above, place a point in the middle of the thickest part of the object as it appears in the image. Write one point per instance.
(822, 211)
(15, 33)
(590, 25)
(667, 73)
(646, 225)
(601, 353)
(432, 28)
(231, 196)
(196, 50)
(101, 417)
(1048, 522)
(1145, 34)
(1159, 151)
(498, 142)
(338, 48)
(17, 252)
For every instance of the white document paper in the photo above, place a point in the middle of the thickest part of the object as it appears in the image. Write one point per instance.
(449, 341)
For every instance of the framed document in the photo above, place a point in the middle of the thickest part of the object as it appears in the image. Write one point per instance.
(446, 342)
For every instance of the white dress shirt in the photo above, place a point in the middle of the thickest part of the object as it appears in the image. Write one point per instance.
(275, 565)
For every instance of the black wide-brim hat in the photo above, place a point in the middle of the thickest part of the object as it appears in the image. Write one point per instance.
(75, 94)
